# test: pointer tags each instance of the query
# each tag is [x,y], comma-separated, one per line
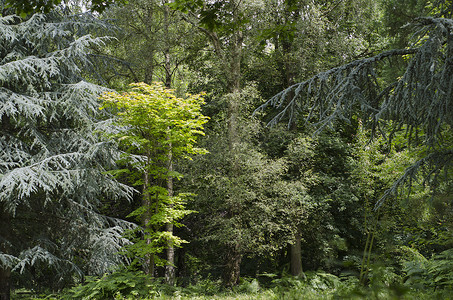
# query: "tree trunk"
[230,58]
[149,258]
[5,272]
[149,71]
[232,270]
[170,267]
[5,284]
[234,257]
[296,257]
[167,55]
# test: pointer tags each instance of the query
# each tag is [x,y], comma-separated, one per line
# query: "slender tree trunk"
[149,259]
[149,267]
[167,69]
[170,267]
[5,272]
[167,49]
[149,72]
[296,257]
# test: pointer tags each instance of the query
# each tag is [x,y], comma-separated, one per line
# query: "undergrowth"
[383,284]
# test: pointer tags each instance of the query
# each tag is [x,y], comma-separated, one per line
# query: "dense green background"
[328,172]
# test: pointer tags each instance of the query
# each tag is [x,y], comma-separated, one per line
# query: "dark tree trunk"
[233,259]
[167,66]
[296,257]
[181,263]
[5,284]
[5,272]
[149,72]
[232,270]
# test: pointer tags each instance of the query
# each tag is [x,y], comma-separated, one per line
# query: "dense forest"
[226,149]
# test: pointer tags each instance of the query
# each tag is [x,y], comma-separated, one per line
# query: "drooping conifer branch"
[419,99]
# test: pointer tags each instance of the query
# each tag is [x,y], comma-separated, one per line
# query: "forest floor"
[275,293]
[315,285]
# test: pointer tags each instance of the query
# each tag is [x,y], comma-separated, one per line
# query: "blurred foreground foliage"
[422,279]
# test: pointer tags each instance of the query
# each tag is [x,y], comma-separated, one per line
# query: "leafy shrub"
[288,282]
[435,273]
[115,285]
[440,268]
[322,281]
[204,287]
[248,285]
[314,285]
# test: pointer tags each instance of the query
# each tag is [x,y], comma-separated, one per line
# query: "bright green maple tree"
[156,128]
